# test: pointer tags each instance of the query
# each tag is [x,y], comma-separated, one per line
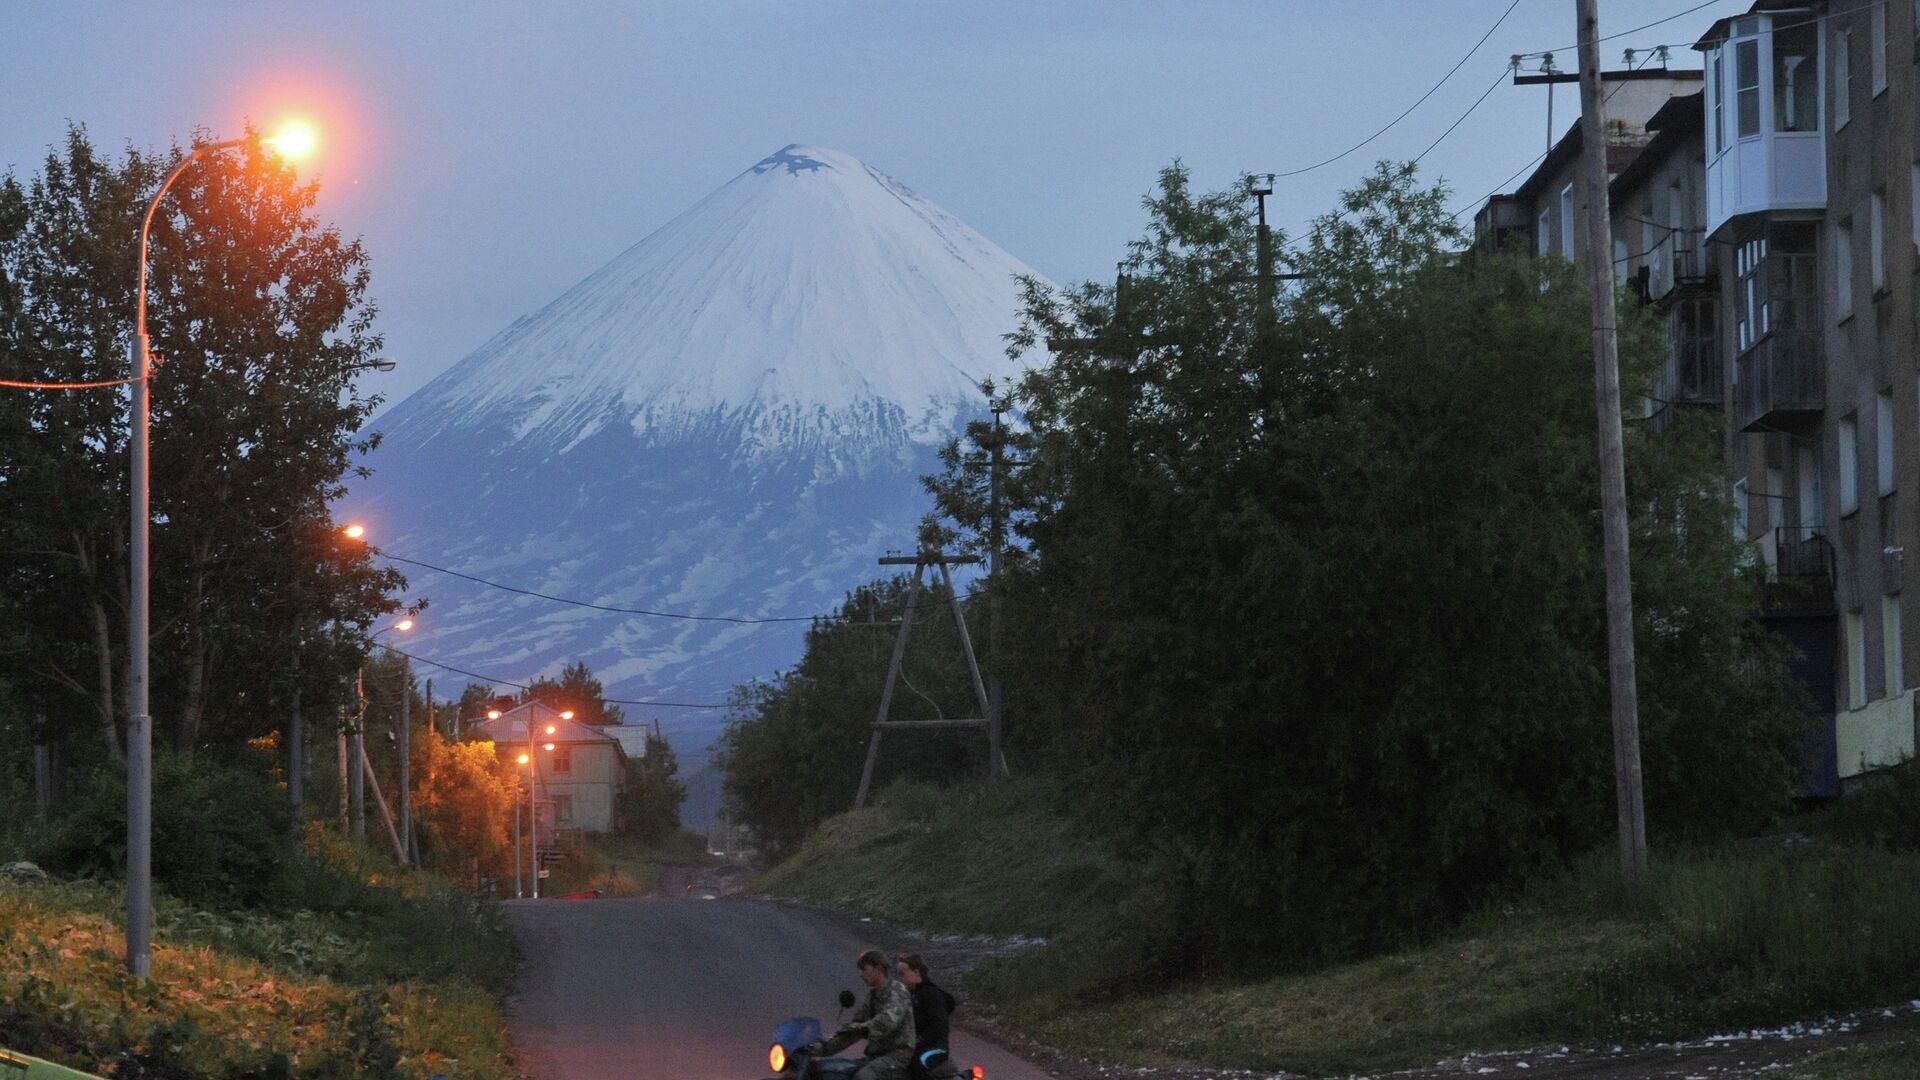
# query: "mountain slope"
[729,418]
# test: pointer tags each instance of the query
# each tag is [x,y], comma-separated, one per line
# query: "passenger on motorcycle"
[884,1019]
[932,1006]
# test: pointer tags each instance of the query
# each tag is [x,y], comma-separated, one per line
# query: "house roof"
[1722,28]
[511,727]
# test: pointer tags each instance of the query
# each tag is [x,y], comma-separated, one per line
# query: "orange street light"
[548,746]
[568,715]
[493,714]
[403,625]
[139,739]
[295,141]
[355,531]
[551,729]
[523,759]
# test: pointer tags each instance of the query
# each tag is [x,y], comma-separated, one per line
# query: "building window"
[1849,465]
[1717,92]
[1843,268]
[1877,24]
[1883,440]
[1856,660]
[1894,674]
[1742,510]
[563,809]
[1566,221]
[1543,233]
[1796,77]
[1812,497]
[1750,302]
[1842,78]
[1746,101]
[1621,257]
[1913,204]
[1877,239]
[563,759]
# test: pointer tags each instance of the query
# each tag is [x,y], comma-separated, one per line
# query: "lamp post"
[292,143]
[357,772]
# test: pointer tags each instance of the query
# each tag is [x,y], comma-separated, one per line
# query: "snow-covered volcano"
[730,418]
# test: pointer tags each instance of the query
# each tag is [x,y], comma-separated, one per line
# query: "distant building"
[577,783]
[1770,217]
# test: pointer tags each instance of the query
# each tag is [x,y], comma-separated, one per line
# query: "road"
[663,989]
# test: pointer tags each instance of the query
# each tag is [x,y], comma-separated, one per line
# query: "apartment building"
[1769,217]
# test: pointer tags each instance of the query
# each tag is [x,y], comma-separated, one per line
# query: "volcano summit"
[729,418]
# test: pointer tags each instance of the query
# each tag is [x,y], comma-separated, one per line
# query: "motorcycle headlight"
[777,1057]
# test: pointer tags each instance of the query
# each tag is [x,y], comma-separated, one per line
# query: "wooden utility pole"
[296,747]
[1613,473]
[996,540]
[406,761]
[881,723]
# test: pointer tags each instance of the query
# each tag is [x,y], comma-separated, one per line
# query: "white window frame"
[1811,493]
[1742,510]
[1848,465]
[1543,240]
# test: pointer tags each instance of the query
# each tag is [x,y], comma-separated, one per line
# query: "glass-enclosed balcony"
[1765,101]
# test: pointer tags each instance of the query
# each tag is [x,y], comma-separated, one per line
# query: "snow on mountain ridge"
[759,307]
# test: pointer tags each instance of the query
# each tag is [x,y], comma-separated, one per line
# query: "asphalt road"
[681,989]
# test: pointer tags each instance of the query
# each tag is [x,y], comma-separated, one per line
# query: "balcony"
[1779,384]
[1764,102]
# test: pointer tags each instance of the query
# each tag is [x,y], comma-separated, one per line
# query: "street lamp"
[291,143]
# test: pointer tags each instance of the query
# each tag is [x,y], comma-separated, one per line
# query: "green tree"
[1309,597]
[577,690]
[650,801]
[260,318]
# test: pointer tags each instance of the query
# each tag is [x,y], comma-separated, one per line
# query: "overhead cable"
[1409,109]
[492,680]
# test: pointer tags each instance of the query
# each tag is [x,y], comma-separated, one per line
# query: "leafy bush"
[219,831]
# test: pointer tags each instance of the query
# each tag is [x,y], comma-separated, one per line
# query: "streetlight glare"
[403,625]
[493,714]
[547,746]
[295,141]
[355,531]
[550,729]
[523,759]
[568,715]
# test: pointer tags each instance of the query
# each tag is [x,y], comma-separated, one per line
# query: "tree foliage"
[260,320]
[649,806]
[794,746]
[1309,596]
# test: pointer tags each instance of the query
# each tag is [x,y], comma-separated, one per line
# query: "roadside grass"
[1725,938]
[389,974]
[1885,1061]
[995,860]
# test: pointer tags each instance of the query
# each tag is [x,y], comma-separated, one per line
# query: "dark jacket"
[932,1005]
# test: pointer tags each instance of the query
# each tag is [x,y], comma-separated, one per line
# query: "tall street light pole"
[139,572]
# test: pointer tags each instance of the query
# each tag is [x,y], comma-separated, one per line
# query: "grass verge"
[1729,938]
[397,975]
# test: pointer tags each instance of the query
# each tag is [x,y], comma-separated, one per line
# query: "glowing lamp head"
[777,1057]
[523,759]
[493,714]
[548,747]
[568,715]
[403,625]
[355,531]
[294,142]
[551,729]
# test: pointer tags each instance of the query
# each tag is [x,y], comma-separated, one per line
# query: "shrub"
[219,832]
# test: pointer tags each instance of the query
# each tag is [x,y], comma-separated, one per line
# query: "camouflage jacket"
[888,1014]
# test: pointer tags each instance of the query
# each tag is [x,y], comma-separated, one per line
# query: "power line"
[524,686]
[614,609]
[1497,80]
[1624,33]
[13,384]
[1417,103]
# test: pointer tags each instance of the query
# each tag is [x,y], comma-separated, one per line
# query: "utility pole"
[996,539]
[1630,805]
[346,820]
[406,762]
[296,744]
[357,750]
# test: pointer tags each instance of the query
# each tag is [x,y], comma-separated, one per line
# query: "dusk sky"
[492,154]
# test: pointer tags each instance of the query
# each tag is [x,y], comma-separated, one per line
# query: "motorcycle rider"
[932,1006]
[884,1019]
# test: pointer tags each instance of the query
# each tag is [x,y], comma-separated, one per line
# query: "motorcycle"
[798,1045]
